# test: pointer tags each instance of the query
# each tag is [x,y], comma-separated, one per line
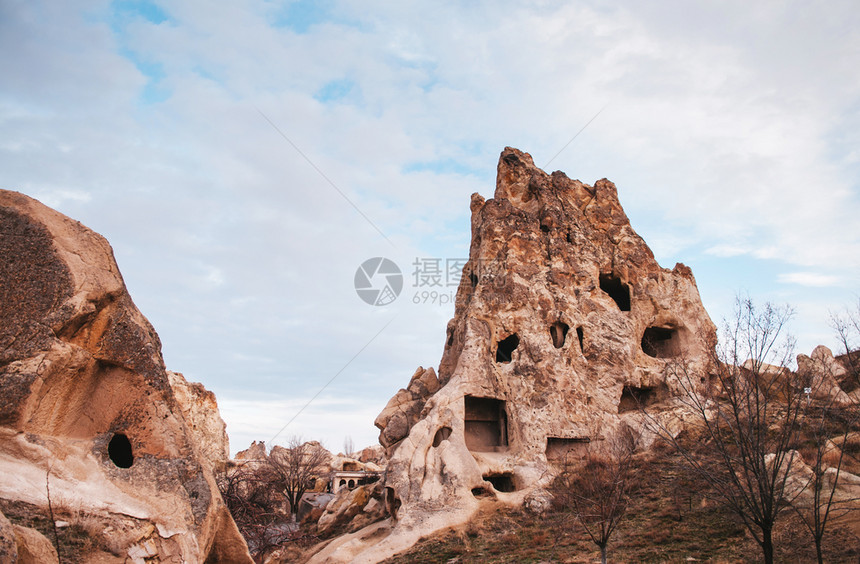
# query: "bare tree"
[597,490]
[847,328]
[828,425]
[254,501]
[749,413]
[348,446]
[297,466]
[816,500]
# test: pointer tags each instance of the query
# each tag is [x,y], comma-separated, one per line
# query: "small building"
[352,478]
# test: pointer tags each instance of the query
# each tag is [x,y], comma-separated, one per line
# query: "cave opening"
[617,290]
[486,424]
[560,449]
[580,334]
[661,342]
[392,502]
[633,397]
[120,452]
[480,492]
[502,482]
[506,347]
[558,332]
[441,435]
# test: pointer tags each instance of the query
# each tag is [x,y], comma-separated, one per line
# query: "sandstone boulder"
[404,409]
[564,325]
[375,454]
[352,509]
[33,547]
[8,544]
[86,402]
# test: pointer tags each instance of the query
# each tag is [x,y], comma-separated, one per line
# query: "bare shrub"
[596,491]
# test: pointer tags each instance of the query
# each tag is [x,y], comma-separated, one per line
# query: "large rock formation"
[564,324]
[87,406]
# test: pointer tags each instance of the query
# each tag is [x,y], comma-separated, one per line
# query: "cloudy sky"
[244,158]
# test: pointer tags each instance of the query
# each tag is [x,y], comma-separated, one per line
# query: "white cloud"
[332,419]
[723,132]
[814,279]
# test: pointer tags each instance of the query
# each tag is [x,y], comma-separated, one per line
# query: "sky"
[245,158]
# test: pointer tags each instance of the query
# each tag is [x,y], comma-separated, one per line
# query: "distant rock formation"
[257,451]
[86,402]
[828,378]
[564,324]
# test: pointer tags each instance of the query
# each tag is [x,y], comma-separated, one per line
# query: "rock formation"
[564,324]
[33,547]
[8,546]
[200,411]
[257,451]
[827,377]
[352,509]
[404,409]
[87,405]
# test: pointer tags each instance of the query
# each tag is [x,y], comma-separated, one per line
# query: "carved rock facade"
[86,401]
[564,324]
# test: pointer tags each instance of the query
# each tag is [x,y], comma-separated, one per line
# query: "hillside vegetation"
[673,516]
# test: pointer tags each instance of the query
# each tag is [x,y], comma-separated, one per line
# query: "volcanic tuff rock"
[564,324]
[8,546]
[34,547]
[827,376]
[200,411]
[86,402]
[404,409]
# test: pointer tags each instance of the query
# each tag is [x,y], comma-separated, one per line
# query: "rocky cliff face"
[200,410]
[86,401]
[564,324]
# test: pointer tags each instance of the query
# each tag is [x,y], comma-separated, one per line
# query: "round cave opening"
[119,451]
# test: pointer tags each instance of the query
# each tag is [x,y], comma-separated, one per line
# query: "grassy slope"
[673,517]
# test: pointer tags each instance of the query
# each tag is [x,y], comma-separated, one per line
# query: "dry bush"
[596,492]
[253,498]
[263,496]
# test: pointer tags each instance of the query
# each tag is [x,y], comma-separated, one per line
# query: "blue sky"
[730,130]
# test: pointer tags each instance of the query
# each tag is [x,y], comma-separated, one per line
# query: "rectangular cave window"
[486,424]
[502,482]
[632,398]
[661,342]
[617,290]
[560,449]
